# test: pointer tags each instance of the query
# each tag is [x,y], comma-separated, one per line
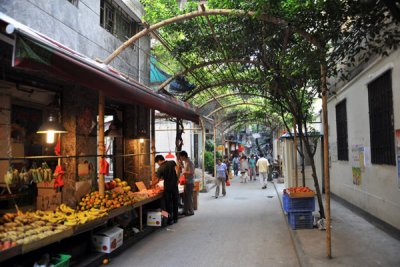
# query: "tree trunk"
[314,175]
[300,123]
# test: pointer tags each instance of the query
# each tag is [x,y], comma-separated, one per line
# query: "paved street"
[245,228]
[248,228]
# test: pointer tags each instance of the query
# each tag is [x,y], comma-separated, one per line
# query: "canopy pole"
[295,151]
[326,162]
[101,140]
[215,152]
[203,148]
[152,146]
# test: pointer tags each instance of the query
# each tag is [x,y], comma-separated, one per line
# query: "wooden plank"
[79,229]
[46,241]
[11,252]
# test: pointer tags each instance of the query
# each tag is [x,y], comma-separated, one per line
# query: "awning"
[34,51]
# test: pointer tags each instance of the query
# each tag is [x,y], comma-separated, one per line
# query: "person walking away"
[168,171]
[263,167]
[188,172]
[252,168]
[235,162]
[222,173]
[243,168]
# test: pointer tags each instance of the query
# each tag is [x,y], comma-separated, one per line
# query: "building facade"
[363,132]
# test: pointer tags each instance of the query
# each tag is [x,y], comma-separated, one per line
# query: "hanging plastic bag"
[104,167]
[182,180]
[228,182]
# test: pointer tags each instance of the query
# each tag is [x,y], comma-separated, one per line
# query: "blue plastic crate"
[298,204]
[300,220]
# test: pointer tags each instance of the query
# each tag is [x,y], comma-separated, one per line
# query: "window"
[381,120]
[74,2]
[116,21]
[341,130]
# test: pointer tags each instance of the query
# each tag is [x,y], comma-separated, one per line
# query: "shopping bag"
[228,182]
[182,180]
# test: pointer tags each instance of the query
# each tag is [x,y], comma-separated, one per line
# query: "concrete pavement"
[248,228]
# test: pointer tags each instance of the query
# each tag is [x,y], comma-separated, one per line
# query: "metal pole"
[326,162]
[152,146]
[215,152]
[295,151]
[100,147]
[203,148]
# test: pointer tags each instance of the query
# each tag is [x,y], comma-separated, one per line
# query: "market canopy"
[36,52]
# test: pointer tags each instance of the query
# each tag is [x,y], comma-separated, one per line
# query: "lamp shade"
[51,125]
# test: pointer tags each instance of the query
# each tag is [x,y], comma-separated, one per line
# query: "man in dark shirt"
[168,171]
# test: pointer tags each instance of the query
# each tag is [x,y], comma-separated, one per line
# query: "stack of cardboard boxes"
[47,197]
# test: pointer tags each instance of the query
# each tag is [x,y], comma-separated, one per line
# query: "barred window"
[117,21]
[381,120]
[341,130]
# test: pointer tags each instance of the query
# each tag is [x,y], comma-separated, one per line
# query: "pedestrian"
[243,168]
[252,168]
[188,172]
[228,167]
[235,162]
[263,167]
[222,173]
[168,171]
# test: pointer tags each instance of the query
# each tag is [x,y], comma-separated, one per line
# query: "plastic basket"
[62,260]
[300,220]
[298,204]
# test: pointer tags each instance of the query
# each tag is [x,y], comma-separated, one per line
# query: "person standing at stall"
[168,171]
[222,174]
[188,172]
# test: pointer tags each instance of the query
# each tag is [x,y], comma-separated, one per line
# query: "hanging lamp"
[50,128]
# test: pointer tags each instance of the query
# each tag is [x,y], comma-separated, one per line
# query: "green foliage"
[209,161]
[209,145]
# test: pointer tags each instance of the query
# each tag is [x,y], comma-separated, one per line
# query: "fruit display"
[299,191]
[20,228]
[117,183]
[23,228]
[111,200]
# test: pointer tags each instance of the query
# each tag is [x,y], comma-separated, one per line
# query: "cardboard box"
[48,202]
[108,240]
[154,218]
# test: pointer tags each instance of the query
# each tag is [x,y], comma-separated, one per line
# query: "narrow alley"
[249,228]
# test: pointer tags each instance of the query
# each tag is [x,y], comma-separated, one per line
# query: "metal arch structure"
[231,94]
[234,105]
[210,12]
[222,83]
[279,22]
[205,64]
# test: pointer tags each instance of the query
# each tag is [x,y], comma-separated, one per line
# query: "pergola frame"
[275,21]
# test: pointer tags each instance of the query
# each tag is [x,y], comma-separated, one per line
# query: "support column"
[152,145]
[101,139]
[296,175]
[203,148]
[326,162]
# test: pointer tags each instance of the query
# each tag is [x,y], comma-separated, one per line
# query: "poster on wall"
[357,163]
[367,156]
[398,156]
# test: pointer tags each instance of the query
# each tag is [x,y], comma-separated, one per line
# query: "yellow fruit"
[117,180]
[124,183]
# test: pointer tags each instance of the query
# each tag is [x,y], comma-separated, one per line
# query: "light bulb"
[50,137]
[141,140]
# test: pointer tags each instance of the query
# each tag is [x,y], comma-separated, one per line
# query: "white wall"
[165,140]
[378,193]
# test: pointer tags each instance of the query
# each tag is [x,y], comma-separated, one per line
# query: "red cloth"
[59,172]
[104,167]
[57,148]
